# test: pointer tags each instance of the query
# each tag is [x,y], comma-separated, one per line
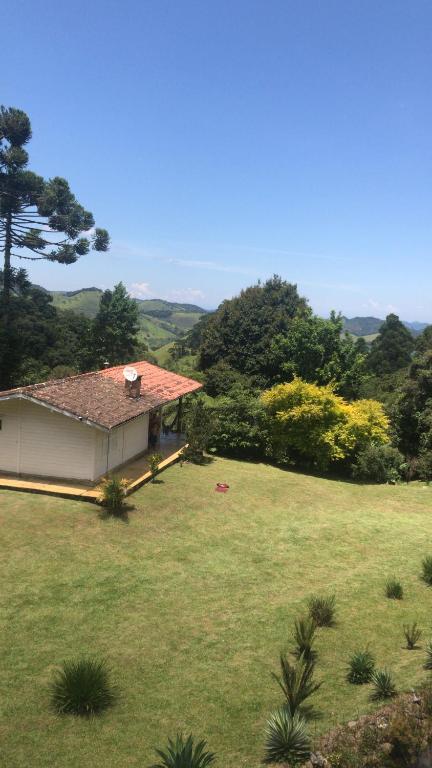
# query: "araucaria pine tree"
[39,218]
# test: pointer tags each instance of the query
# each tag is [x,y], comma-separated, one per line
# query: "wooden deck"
[135,472]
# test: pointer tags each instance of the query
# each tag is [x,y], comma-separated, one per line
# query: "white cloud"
[140,290]
[372,304]
[185,295]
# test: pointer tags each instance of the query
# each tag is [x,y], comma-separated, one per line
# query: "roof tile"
[101,397]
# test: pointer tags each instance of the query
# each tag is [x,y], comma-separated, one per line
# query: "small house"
[81,427]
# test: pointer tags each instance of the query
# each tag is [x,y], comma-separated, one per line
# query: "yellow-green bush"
[320,425]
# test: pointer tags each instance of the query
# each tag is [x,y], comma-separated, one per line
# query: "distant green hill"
[160,321]
[367,326]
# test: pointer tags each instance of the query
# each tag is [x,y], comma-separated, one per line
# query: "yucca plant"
[360,667]
[322,610]
[384,687]
[412,635]
[287,739]
[427,570]
[304,638]
[82,688]
[113,494]
[183,753]
[394,589]
[296,681]
[428,661]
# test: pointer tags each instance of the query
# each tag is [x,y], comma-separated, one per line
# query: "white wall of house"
[37,441]
[121,444]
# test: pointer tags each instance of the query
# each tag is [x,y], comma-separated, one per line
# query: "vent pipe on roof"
[133,388]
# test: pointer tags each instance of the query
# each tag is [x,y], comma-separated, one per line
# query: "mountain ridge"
[160,321]
[366,326]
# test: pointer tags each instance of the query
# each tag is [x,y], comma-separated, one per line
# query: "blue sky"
[221,141]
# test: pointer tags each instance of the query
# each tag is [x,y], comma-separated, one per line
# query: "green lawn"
[191,602]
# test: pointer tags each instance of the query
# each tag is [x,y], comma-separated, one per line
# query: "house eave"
[55,409]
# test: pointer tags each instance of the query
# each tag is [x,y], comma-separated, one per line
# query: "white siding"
[37,441]
[9,434]
[49,444]
[135,437]
[124,442]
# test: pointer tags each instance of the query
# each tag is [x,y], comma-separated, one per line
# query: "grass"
[191,603]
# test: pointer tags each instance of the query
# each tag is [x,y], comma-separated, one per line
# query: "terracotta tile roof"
[101,398]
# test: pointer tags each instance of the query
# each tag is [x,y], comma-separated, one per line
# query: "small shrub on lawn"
[82,688]
[296,681]
[322,610]
[394,589]
[384,687]
[287,739]
[154,461]
[427,570]
[182,753]
[304,638]
[360,668]
[412,635]
[428,662]
[113,494]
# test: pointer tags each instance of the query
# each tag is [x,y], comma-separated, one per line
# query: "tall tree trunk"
[7,275]
[6,341]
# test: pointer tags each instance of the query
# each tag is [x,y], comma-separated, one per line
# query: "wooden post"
[180,415]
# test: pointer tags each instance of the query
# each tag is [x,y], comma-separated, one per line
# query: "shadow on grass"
[333,474]
[203,462]
[122,515]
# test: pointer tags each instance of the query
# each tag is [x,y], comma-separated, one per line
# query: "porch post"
[180,415]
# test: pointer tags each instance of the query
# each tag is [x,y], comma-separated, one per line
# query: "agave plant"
[384,687]
[82,688]
[182,753]
[360,667]
[322,610]
[296,681]
[304,638]
[287,740]
[428,661]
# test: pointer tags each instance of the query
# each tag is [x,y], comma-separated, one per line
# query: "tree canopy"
[39,219]
[316,425]
[115,328]
[392,348]
[241,330]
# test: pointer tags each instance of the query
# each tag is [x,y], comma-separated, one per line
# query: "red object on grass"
[221,487]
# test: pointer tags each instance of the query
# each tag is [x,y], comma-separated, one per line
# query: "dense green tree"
[40,338]
[393,347]
[242,329]
[318,351]
[412,412]
[39,219]
[239,424]
[221,378]
[115,328]
[423,342]
[199,428]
